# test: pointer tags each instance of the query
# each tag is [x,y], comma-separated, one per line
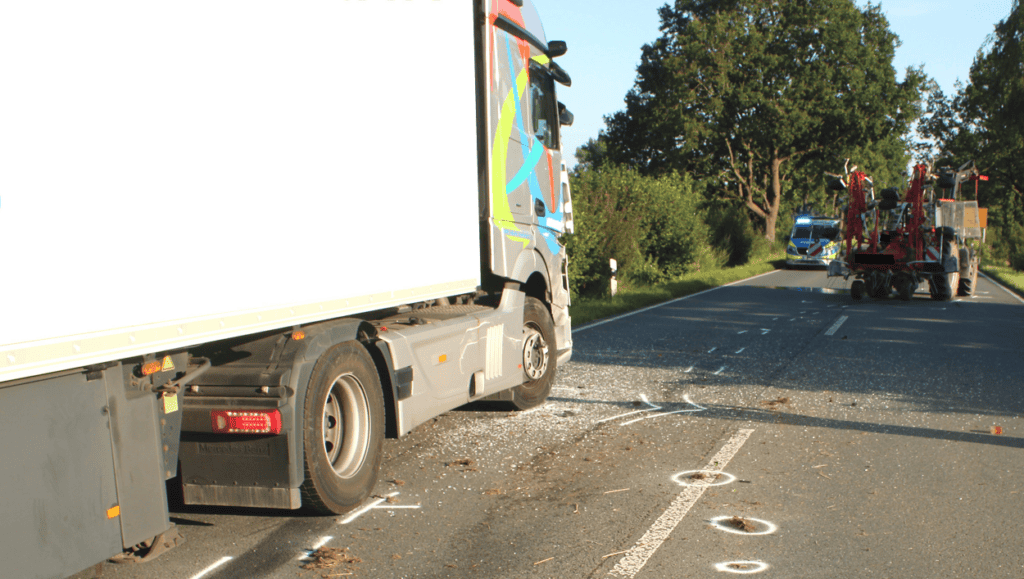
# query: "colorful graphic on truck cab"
[526,196]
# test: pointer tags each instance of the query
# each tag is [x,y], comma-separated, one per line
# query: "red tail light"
[246,421]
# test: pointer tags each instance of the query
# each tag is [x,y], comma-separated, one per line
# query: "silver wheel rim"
[346,425]
[535,352]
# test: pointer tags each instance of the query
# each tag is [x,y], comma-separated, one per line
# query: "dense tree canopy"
[984,120]
[746,92]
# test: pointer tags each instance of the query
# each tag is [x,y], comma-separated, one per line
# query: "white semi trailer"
[243,242]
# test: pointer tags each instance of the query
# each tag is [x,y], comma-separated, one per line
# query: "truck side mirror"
[556,48]
[558,73]
[564,116]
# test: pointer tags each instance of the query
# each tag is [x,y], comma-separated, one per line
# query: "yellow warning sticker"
[167,365]
[170,403]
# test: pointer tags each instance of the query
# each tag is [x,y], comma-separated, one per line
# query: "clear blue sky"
[605,37]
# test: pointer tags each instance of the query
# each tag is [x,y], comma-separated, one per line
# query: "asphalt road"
[852,439]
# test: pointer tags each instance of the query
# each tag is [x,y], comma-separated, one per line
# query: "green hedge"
[584,310]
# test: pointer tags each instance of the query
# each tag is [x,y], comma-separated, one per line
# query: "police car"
[813,241]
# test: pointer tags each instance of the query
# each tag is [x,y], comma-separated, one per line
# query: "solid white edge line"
[672,301]
[635,559]
[212,567]
[1001,286]
[836,325]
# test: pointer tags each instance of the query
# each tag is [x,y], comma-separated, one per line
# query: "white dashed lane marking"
[836,325]
[212,567]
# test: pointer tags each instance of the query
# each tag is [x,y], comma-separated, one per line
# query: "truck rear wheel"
[538,356]
[343,430]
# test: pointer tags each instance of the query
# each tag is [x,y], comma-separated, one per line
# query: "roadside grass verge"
[1007,276]
[585,310]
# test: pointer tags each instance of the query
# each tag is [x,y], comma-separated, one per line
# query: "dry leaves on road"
[742,524]
[329,557]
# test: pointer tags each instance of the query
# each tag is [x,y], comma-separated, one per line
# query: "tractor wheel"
[857,289]
[941,289]
[878,286]
[906,288]
[968,273]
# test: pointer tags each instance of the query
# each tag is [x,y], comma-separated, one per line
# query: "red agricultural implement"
[895,242]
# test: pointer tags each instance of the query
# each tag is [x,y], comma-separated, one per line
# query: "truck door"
[526,192]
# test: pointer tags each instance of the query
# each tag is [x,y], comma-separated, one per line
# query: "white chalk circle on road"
[687,478]
[741,567]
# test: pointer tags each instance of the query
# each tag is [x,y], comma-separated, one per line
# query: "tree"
[983,120]
[744,91]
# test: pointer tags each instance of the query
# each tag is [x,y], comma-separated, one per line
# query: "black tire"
[968,273]
[343,430]
[539,356]
[906,288]
[941,289]
[877,286]
[857,289]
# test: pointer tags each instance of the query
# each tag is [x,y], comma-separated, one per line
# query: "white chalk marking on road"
[686,398]
[688,370]
[636,557]
[712,349]
[836,325]
[765,330]
[642,397]
[742,332]
[719,371]
[1002,287]
[363,510]
[770,528]
[306,554]
[735,567]
[640,311]
[740,350]
[681,478]
[212,567]
[792,319]
[774,319]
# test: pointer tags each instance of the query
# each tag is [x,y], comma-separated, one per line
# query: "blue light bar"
[804,220]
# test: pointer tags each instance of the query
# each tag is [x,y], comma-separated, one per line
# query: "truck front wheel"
[343,433]
[538,356]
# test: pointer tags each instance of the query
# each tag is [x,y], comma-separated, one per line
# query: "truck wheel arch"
[531,270]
